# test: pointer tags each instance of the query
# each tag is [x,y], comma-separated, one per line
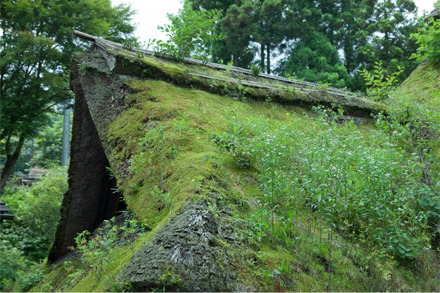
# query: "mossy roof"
[230,80]
[155,118]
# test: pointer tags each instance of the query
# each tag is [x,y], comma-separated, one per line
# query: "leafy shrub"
[190,33]
[233,142]
[380,84]
[94,251]
[163,197]
[429,41]
[365,187]
[11,263]
[96,248]
[26,239]
[36,210]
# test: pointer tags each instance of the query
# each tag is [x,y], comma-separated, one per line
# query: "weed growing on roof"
[381,84]
[95,249]
[230,64]
[163,196]
[293,77]
[369,189]
[73,274]
[169,279]
[118,285]
[232,142]
[323,86]
[255,70]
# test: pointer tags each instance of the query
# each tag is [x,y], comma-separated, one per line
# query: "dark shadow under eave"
[91,197]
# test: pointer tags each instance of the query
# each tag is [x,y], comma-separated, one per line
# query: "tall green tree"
[36,47]
[363,32]
[271,27]
[260,21]
[224,50]
[191,33]
[315,59]
[394,21]
[312,52]
[237,27]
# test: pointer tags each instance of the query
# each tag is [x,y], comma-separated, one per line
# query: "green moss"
[182,160]
[163,141]
[150,67]
[99,280]
[422,85]
[168,69]
[419,98]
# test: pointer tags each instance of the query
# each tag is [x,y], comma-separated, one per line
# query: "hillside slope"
[237,188]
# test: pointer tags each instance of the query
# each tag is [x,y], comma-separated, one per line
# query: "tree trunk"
[268,58]
[235,60]
[11,160]
[348,54]
[262,57]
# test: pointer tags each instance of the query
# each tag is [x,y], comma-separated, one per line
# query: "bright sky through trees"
[150,14]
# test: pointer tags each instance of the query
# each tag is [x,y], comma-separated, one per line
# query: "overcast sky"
[150,14]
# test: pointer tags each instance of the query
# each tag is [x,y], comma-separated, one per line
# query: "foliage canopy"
[348,36]
[190,33]
[429,43]
[36,47]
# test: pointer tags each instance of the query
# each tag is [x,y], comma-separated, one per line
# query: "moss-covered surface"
[169,128]
[418,100]
[242,86]
[422,86]
[196,200]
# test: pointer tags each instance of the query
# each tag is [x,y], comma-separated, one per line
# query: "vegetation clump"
[26,240]
[367,190]
[255,70]
[274,197]
[300,201]
[189,35]
[429,43]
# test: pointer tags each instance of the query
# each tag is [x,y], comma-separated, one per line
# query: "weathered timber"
[105,47]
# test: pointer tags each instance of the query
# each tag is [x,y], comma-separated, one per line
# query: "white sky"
[151,13]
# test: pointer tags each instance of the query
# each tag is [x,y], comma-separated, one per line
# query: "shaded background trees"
[36,48]
[318,40]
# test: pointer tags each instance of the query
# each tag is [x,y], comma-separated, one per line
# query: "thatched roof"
[435,13]
[217,77]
